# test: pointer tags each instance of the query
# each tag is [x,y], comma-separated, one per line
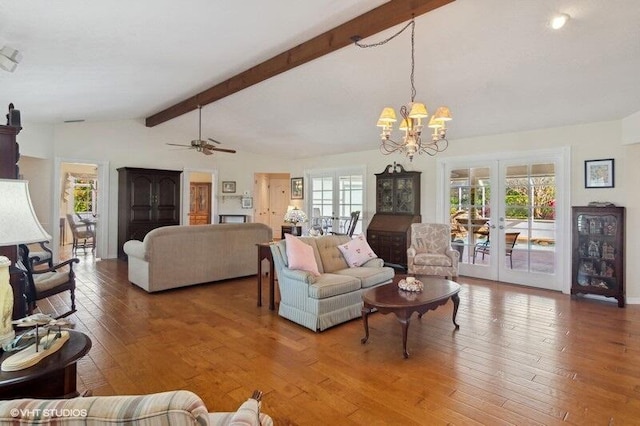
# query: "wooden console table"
[264,252]
[53,377]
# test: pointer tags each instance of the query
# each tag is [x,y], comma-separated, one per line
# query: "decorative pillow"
[300,255]
[357,251]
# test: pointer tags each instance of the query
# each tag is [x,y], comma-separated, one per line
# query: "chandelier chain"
[411,24]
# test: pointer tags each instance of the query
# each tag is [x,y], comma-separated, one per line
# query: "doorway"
[333,196]
[81,188]
[507,217]
[199,204]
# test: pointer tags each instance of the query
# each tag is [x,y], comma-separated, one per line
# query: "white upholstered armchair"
[430,252]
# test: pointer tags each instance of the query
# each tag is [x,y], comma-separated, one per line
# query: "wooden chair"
[42,256]
[83,234]
[350,225]
[484,247]
[43,283]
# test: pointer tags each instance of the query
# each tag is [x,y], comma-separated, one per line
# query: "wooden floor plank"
[522,356]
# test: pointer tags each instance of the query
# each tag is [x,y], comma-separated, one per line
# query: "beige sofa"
[178,256]
[174,408]
[336,295]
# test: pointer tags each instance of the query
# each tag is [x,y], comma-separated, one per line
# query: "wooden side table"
[264,252]
[53,377]
[288,229]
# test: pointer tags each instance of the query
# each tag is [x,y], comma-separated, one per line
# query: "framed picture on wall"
[297,188]
[229,187]
[599,173]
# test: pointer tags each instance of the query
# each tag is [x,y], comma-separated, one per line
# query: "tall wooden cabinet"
[598,251]
[147,199]
[397,207]
[200,203]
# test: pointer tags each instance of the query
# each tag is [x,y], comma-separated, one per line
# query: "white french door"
[508,216]
[333,195]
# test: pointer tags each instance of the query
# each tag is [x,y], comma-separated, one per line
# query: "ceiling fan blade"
[206,151]
[179,144]
[213,140]
[213,148]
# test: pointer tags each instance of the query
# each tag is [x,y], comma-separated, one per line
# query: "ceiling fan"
[201,145]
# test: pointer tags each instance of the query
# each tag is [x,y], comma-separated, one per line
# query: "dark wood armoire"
[147,199]
[397,207]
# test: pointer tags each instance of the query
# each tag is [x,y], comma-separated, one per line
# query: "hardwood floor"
[522,356]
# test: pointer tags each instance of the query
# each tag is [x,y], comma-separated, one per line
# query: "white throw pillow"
[357,251]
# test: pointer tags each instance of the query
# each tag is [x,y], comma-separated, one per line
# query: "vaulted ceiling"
[495,63]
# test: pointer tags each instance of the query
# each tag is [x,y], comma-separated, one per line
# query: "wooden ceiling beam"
[381,18]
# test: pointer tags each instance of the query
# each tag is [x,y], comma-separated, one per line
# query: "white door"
[334,195]
[279,196]
[507,217]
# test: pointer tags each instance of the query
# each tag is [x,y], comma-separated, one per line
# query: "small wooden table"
[264,252]
[389,298]
[53,377]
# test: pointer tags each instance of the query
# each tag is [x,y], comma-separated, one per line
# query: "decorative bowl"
[410,285]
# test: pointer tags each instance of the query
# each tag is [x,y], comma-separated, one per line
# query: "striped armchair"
[167,408]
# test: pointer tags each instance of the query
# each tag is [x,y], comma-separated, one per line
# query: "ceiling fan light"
[388,115]
[443,114]
[418,110]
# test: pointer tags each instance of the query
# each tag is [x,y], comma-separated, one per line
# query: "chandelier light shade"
[413,117]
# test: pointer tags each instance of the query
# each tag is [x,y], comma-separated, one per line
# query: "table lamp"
[294,216]
[18,225]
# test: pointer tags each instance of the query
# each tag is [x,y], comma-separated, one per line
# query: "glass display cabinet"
[598,252]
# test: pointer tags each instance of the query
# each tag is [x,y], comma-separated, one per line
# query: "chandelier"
[413,115]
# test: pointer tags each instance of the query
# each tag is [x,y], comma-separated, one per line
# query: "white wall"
[130,143]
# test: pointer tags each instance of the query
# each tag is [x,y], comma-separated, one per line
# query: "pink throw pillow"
[357,251]
[300,255]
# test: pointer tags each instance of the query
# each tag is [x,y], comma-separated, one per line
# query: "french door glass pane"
[333,198]
[530,192]
[470,196]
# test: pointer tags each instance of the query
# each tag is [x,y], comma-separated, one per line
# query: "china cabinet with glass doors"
[598,252]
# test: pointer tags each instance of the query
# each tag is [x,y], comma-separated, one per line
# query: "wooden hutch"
[397,207]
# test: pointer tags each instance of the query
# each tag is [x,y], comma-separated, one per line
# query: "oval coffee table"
[389,298]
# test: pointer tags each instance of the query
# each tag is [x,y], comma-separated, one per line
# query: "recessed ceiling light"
[558,21]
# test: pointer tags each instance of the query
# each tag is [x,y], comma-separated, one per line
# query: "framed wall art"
[229,187]
[297,188]
[599,173]
[247,202]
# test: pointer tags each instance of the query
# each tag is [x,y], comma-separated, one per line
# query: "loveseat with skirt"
[335,295]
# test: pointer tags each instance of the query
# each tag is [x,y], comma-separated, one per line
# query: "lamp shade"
[388,115]
[418,110]
[18,221]
[434,123]
[443,114]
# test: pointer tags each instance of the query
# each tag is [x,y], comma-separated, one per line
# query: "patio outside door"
[506,219]
[334,195]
